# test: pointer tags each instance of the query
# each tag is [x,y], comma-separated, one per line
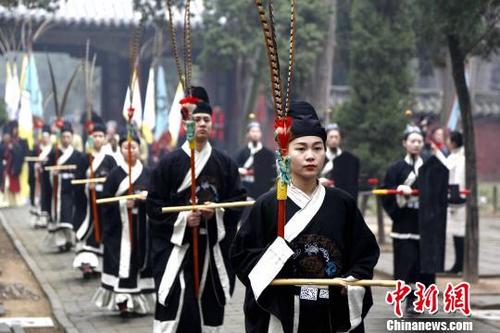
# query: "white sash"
[200,160]
[85,227]
[66,154]
[253,151]
[136,172]
[96,161]
[45,152]
[330,156]
[411,201]
[125,246]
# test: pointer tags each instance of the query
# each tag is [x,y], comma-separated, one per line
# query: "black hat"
[410,129]
[253,124]
[202,107]
[67,127]
[46,129]
[99,127]
[332,127]
[305,121]
[201,93]
[124,137]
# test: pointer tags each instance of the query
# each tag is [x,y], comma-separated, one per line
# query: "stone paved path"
[70,294]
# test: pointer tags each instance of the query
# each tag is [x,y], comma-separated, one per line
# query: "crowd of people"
[145,257]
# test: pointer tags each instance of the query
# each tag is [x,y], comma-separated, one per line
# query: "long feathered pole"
[134,75]
[188,104]
[89,77]
[281,102]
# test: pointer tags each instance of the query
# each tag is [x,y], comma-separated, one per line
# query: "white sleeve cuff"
[269,265]
[179,228]
[401,200]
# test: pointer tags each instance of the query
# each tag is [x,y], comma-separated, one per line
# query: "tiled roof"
[430,102]
[100,13]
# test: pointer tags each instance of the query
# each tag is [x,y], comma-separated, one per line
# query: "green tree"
[466,28]
[232,41]
[380,50]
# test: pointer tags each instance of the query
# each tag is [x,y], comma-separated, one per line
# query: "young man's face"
[254,134]
[413,144]
[99,140]
[203,126]
[333,139]
[66,139]
[134,148]
[45,138]
[307,155]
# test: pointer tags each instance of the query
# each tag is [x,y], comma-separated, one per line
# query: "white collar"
[418,161]
[206,148]
[299,197]
[254,149]
[309,206]
[331,155]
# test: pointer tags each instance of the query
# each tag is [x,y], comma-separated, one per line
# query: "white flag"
[12,90]
[149,117]
[175,116]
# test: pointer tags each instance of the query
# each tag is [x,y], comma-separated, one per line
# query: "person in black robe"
[33,182]
[67,206]
[6,139]
[89,252]
[15,150]
[127,284]
[341,167]
[404,212]
[45,178]
[325,237]
[217,180]
[256,164]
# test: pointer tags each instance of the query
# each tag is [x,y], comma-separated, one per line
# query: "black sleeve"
[250,242]
[363,250]
[18,154]
[240,157]
[235,192]
[389,201]
[159,195]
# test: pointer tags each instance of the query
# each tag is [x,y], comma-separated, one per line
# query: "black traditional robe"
[88,250]
[217,180]
[410,226]
[325,237]
[33,182]
[13,158]
[343,169]
[260,165]
[405,226]
[126,275]
[67,200]
[45,187]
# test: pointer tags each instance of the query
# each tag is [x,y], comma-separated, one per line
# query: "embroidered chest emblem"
[316,256]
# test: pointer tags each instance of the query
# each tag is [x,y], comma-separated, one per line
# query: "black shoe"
[87,271]
[122,307]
